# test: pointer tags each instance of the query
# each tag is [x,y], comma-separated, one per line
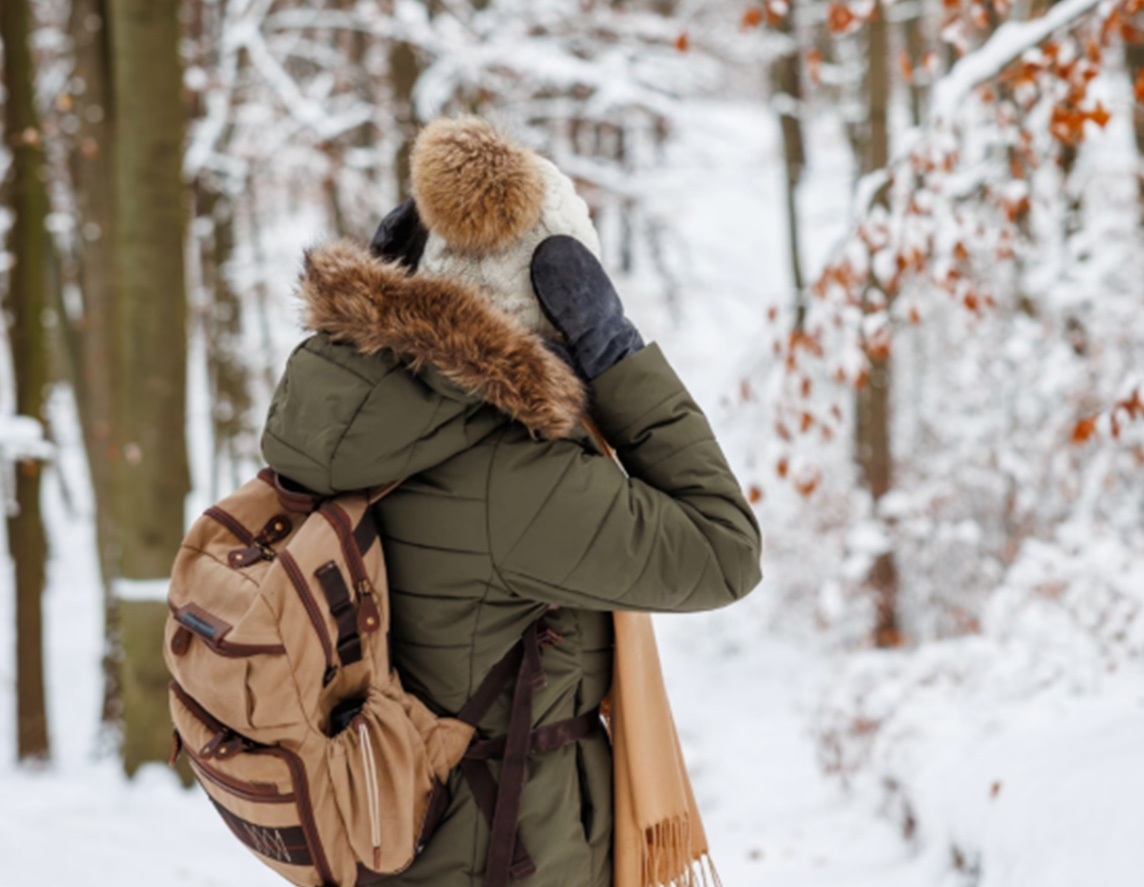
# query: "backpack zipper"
[212,723]
[229,521]
[248,791]
[258,546]
[311,607]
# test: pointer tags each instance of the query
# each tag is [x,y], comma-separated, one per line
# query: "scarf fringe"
[670,861]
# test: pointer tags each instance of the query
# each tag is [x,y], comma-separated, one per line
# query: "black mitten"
[401,237]
[578,298]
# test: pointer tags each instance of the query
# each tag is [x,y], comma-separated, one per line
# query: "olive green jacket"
[508,511]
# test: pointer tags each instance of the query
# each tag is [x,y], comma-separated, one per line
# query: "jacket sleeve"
[567,527]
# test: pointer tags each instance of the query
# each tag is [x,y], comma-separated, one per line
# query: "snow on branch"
[242,42]
[1008,42]
[954,207]
[988,62]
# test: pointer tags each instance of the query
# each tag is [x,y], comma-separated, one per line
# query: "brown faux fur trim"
[473,186]
[358,299]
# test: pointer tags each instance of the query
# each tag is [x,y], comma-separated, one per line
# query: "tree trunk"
[26,303]
[404,69]
[346,208]
[916,50]
[877,148]
[1134,57]
[787,78]
[269,363]
[872,425]
[93,175]
[151,477]
[223,324]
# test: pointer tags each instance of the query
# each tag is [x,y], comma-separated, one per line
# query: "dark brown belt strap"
[485,792]
[503,838]
[544,739]
[490,688]
[476,772]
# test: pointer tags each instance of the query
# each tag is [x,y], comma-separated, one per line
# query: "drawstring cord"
[369,765]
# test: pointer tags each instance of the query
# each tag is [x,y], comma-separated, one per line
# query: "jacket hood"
[359,300]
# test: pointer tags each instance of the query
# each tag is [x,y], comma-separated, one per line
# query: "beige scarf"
[659,839]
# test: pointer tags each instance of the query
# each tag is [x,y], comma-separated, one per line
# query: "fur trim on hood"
[473,186]
[360,300]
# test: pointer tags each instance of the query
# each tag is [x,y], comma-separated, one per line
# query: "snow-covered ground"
[742,699]
[972,785]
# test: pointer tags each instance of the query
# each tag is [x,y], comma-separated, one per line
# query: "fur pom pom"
[474,187]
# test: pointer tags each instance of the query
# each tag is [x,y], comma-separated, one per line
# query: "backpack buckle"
[223,745]
[368,616]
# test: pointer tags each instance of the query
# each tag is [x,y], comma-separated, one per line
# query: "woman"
[462,358]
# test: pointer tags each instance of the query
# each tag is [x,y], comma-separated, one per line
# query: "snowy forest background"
[895,249]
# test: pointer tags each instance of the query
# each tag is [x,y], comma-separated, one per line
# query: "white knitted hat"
[488,203]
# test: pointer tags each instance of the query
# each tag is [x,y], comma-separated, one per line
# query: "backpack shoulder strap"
[376,494]
[291,496]
[365,533]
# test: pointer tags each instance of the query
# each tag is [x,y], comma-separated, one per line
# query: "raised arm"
[568,527]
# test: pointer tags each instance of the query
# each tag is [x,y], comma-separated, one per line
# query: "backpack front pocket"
[261,792]
[241,683]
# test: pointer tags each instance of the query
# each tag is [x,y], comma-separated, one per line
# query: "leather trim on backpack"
[212,631]
[312,612]
[293,497]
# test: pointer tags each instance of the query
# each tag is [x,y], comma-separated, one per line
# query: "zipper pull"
[230,747]
[240,558]
[369,616]
[223,745]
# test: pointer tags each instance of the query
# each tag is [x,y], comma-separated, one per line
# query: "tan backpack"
[295,723]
